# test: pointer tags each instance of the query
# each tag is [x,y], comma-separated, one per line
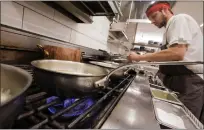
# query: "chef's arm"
[175,52]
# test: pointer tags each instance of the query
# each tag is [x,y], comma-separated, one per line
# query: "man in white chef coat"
[182,41]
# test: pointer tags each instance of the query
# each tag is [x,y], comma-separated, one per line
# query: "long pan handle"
[101,82]
[46,53]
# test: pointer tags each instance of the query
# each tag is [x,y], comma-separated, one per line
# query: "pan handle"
[46,53]
[127,71]
[101,82]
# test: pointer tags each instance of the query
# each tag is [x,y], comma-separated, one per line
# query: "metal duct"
[82,11]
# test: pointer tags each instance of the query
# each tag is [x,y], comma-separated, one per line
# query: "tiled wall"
[41,19]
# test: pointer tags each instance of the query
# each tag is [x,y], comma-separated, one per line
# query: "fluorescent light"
[201,25]
[152,2]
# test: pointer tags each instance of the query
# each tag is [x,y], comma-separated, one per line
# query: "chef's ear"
[163,11]
[166,11]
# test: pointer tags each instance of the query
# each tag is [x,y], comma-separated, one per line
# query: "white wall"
[41,19]
[193,8]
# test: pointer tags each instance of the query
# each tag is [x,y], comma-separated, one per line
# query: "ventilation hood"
[82,11]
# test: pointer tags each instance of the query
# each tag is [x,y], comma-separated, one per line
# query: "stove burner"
[76,111]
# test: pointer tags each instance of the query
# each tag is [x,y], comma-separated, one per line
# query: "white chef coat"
[183,29]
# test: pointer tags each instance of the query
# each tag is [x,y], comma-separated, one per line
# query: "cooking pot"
[14,83]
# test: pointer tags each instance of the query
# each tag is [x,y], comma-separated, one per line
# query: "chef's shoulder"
[181,29]
[181,16]
[184,19]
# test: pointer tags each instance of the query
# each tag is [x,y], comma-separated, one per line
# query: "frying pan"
[111,66]
[14,82]
[67,78]
[74,79]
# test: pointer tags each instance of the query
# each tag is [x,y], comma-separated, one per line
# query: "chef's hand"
[133,57]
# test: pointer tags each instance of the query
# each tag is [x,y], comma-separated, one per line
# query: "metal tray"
[165,96]
[174,116]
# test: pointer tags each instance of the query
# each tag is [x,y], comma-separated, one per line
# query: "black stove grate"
[38,110]
[76,111]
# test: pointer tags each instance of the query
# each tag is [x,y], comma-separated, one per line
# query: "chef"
[182,41]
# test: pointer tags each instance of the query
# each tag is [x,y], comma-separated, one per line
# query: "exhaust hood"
[82,11]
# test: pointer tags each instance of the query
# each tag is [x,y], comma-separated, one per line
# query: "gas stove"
[44,111]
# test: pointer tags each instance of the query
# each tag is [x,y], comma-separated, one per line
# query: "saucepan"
[14,83]
[74,79]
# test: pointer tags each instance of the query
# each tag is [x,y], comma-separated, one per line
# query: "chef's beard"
[163,23]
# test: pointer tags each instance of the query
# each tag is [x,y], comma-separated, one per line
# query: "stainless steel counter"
[135,109]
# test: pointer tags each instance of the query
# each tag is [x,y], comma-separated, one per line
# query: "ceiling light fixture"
[201,25]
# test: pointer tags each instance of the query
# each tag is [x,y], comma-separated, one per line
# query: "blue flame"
[76,111]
